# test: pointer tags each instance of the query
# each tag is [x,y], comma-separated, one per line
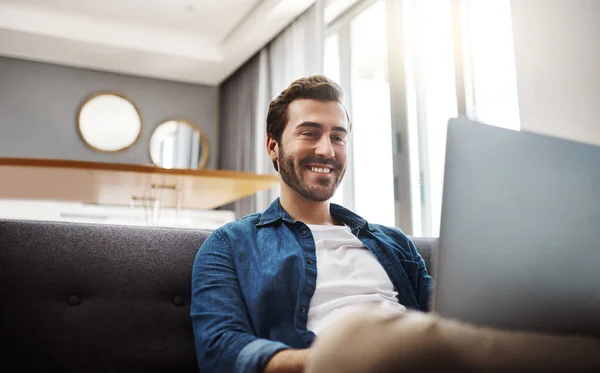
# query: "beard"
[292,174]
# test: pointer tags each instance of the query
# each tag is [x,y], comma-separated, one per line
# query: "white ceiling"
[196,41]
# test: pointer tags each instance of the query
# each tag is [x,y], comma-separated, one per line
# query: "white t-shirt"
[348,277]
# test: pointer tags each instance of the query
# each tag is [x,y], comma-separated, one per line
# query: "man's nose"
[324,147]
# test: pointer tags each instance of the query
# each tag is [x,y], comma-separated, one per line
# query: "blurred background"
[202,72]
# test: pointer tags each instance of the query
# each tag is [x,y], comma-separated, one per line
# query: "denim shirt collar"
[275,214]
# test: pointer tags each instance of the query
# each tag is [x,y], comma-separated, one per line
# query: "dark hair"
[316,87]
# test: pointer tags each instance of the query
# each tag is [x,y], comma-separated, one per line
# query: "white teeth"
[321,170]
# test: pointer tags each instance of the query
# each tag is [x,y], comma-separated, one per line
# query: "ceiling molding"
[261,26]
[102,32]
[33,32]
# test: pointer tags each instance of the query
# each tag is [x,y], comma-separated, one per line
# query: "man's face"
[312,153]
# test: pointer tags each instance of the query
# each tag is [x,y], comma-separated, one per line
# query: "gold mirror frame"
[204,144]
[94,96]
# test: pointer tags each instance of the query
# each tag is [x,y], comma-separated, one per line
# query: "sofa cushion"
[97,298]
[100,298]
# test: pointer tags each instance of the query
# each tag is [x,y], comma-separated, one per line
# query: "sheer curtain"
[239,103]
[296,52]
[459,61]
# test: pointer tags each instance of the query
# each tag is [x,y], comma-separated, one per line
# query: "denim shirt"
[253,279]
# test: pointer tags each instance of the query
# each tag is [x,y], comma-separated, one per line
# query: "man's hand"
[288,361]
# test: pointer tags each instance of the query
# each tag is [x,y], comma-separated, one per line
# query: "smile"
[320,170]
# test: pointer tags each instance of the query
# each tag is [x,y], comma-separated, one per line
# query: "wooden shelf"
[125,184]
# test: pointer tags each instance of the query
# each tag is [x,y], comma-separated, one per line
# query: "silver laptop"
[519,243]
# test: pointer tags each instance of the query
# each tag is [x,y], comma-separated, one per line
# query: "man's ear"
[273,150]
[272,147]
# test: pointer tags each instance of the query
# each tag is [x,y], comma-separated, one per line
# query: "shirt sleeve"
[424,279]
[223,335]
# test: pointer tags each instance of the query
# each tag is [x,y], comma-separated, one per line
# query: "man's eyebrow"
[320,126]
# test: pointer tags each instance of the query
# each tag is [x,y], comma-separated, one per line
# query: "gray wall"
[557,52]
[39,103]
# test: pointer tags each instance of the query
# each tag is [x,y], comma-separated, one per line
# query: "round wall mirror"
[178,143]
[109,122]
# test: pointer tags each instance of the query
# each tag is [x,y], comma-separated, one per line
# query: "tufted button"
[178,300]
[310,261]
[74,300]
[304,232]
[303,309]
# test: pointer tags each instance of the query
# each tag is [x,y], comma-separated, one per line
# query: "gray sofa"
[100,298]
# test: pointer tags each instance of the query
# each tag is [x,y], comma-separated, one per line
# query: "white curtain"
[459,62]
[296,52]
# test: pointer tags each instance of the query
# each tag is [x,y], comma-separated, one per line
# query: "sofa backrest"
[99,298]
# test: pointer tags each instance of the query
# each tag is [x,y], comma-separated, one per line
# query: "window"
[332,71]
[491,58]
[373,175]
[356,57]
[332,57]
[423,34]
[487,61]
[431,83]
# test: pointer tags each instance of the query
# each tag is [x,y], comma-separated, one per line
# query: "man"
[265,286]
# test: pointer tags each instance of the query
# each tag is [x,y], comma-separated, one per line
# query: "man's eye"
[339,139]
[308,134]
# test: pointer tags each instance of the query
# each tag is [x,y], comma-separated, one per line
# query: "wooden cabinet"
[125,184]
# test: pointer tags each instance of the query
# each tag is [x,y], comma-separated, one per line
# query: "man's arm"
[424,280]
[424,285]
[223,335]
[288,361]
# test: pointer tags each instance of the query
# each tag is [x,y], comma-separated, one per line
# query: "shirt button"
[304,232]
[303,309]
[310,261]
